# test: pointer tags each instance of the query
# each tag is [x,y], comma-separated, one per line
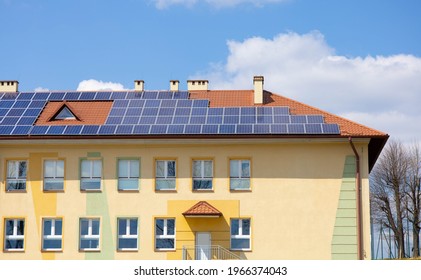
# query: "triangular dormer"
[64,113]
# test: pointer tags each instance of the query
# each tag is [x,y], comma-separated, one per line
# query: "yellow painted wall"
[293,201]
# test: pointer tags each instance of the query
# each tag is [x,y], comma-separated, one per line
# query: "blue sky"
[359,59]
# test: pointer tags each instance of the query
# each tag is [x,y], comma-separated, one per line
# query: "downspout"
[359,208]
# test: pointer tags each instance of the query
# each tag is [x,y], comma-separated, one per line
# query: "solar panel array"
[155,113]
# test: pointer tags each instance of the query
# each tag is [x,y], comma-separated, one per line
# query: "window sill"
[128,191]
[91,191]
[16,191]
[165,191]
[203,191]
[240,190]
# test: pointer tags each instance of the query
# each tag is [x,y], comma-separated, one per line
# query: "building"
[196,174]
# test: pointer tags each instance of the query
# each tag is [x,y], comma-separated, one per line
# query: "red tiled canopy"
[202,208]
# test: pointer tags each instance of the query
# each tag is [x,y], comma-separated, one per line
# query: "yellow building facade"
[179,196]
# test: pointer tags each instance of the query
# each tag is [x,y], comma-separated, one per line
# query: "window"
[128,174]
[127,234]
[16,175]
[91,175]
[240,174]
[240,234]
[65,114]
[165,234]
[14,234]
[202,174]
[53,175]
[89,235]
[52,234]
[165,175]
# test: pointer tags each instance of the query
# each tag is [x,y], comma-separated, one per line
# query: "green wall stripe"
[344,238]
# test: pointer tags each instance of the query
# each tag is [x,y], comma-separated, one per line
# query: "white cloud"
[40,89]
[163,4]
[384,90]
[99,85]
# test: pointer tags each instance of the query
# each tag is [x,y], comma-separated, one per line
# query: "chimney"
[139,85]
[174,85]
[258,89]
[9,86]
[197,84]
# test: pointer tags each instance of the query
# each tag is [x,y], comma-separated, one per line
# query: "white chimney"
[139,85]
[197,84]
[9,86]
[258,89]
[174,85]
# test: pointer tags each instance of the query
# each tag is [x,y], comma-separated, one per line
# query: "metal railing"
[213,252]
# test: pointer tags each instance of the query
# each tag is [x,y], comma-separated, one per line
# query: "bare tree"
[413,193]
[388,191]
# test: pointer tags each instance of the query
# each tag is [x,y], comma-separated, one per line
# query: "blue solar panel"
[313,128]
[153,103]
[73,129]
[164,95]
[120,103]
[150,95]
[26,95]
[26,120]
[248,119]
[192,129]
[118,112]
[181,120]
[226,129]
[264,119]
[90,129]
[197,120]
[184,103]
[87,95]
[9,95]
[37,104]
[264,111]
[21,129]
[72,96]
[124,129]
[216,111]
[248,111]
[281,110]
[6,129]
[150,112]
[281,119]
[137,103]
[182,111]
[41,96]
[131,120]
[134,111]
[32,112]
[6,104]
[119,95]
[315,119]
[56,96]
[244,128]
[181,95]
[231,119]
[210,129]
[279,128]
[21,104]
[107,129]
[166,112]
[232,111]
[330,128]
[175,129]
[214,120]
[10,120]
[261,128]
[56,129]
[102,95]
[296,128]
[199,111]
[39,130]
[158,129]
[164,120]
[169,103]
[298,119]
[200,103]
[15,112]
[141,129]
[147,120]
[114,120]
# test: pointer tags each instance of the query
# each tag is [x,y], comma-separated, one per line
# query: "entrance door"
[203,246]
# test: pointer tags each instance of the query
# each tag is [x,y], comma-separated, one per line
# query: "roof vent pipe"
[258,89]
[174,85]
[139,85]
[197,84]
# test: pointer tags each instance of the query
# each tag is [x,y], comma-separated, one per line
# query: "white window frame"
[14,236]
[240,175]
[52,235]
[90,235]
[129,177]
[165,234]
[166,177]
[55,177]
[240,234]
[90,177]
[16,164]
[127,234]
[202,173]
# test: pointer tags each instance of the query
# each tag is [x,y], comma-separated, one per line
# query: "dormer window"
[65,114]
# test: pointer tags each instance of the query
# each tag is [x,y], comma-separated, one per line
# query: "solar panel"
[150,95]
[10,120]
[32,112]
[71,96]
[231,119]
[114,120]
[226,129]
[87,95]
[261,128]
[141,129]
[169,103]
[164,120]
[73,129]
[15,112]
[120,103]
[248,111]
[200,103]
[182,111]
[56,96]
[158,129]
[329,128]
[248,119]
[216,111]
[37,104]
[214,119]
[210,129]
[107,129]
[21,129]
[6,129]
[134,111]
[26,120]
[131,120]
[314,119]
[264,119]
[180,95]
[166,111]
[279,129]
[281,119]
[102,95]
[175,129]
[181,120]
[164,95]
[7,104]
[313,128]
[21,104]
[280,110]
[56,129]
[244,128]
[9,95]
[296,128]
[136,103]
[124,129]
[150,112]
[41,96]
[298,119]
[147,120]
[197,120]
[90,129]
[232,111]
[26,95]
[117,112]
[118,95]
[192,129]
[39,130]
[184,103]
[153,103]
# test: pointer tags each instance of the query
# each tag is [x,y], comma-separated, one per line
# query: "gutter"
[359,208]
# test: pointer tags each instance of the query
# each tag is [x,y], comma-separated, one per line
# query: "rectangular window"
[202,174]
[127,234]
[128,174]
[16,175]
[240,234]
[165,175]
[240,174]
[164,234]
[14,234]
[91,173]
[89,235]
[52,230]
[54,175]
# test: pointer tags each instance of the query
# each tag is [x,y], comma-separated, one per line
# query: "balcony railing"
[213,252]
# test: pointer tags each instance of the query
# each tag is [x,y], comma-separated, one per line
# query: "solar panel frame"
[278,128]
[330,128]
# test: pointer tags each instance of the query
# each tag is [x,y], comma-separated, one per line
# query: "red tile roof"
[87,112]
[202,208]
[243,98]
